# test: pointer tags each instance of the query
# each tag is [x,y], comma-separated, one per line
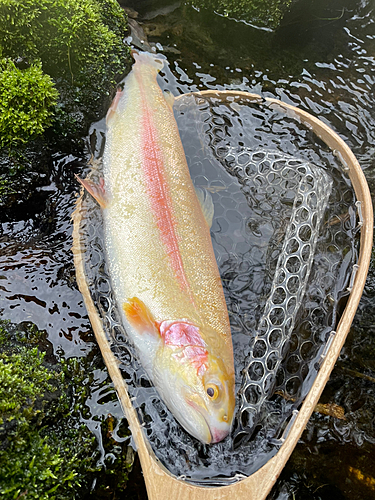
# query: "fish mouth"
[207,439]
[215,434]
[210,440]
[206,436]
[218,435]
[218,430]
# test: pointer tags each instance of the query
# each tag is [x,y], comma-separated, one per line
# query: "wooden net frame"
[160,483]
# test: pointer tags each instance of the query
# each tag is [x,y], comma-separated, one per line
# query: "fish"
[160,257]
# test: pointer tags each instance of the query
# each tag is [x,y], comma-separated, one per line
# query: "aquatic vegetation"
[45,450]
[62,60]
[26,100]
[80,45]
[69,37]
[260,12]
[23,379]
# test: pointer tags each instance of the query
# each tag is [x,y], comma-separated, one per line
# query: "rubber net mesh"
[284,235]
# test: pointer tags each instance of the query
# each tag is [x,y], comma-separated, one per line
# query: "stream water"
[322,60]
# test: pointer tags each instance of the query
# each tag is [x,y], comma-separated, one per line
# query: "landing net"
[284,235]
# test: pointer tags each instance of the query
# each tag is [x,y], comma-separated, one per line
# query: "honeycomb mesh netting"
[284,235]
[292,271]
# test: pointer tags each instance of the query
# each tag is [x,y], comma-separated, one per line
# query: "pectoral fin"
[97,191]
[140,317]
[205,199]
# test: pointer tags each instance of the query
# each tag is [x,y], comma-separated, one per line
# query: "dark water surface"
[322,60]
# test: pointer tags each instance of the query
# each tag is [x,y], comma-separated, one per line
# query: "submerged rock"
[263,13]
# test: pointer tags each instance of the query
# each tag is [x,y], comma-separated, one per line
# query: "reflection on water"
[321,60]
[37,273]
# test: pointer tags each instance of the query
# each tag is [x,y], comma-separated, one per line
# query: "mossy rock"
[262,13]
[70,37]
[71,47]
[27,97]
[26,100]
[46,452]
[80,45]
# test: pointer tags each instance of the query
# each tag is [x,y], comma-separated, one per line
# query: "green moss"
[46,452]
[77,43]
[22,380]
[35,467]
[260,12]
[33,28]
[80,43]
[26,100]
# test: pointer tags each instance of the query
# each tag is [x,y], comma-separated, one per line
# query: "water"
[326,67]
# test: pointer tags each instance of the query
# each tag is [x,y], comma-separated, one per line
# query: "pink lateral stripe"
[157,188]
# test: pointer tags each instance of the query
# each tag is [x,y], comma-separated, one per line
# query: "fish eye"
[212,391]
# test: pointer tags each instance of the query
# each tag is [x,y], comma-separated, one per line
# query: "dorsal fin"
[97,191]
[112,109]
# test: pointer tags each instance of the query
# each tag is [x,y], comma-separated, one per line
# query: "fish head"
[198,389]
[212,399]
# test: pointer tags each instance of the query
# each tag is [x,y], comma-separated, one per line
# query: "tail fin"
[154,60]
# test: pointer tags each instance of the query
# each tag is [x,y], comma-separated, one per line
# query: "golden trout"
[161,261]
